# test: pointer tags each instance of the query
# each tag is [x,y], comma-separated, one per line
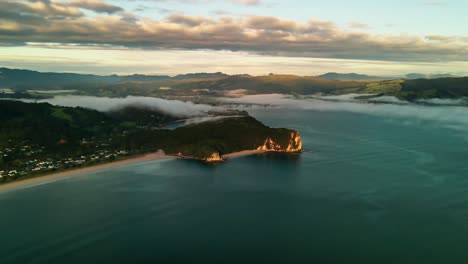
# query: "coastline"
[90,169]
[224,157]
[75,172]
[242,154]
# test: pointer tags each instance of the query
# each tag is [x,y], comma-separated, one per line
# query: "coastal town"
[26,160]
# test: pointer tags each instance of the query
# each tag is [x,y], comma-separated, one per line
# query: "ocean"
[369,187]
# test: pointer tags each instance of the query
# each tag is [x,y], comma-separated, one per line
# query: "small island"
[39,138]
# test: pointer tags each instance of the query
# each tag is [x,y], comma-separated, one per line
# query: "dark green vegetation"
[24,83]
[36,138]
[434,88]
[386,87]
[223,136]
[449,88]
[22,95]
[272,83]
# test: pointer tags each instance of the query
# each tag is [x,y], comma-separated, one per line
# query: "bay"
[367,189]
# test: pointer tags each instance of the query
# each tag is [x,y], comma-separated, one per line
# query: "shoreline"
[76,172]
[224,157]
[242,154]
[22,183]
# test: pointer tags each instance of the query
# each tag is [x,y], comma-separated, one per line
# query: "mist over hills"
[26,83]
[428,76]
[364,77]
[351,76]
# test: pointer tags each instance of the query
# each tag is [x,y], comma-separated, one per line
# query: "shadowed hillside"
[24,84]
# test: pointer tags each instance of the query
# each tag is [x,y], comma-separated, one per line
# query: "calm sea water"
[368,189]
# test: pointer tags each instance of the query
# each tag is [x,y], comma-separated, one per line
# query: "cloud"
[55,9]
[64,23]
[446,39]
[95,5]
[246,2]
[271,24]
[221,12]
[189,21]
[172,107]
[441,38]
[451,117]
[358,25]
[40,8]
[239,2]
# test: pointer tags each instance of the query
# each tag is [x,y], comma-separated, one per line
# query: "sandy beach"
[74,172]
[242,154]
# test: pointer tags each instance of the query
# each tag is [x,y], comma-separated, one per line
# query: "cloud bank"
[65,23]
[172,107]
[451,117]
[240,2]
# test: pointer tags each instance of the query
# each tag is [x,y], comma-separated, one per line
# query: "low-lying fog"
[447,115]
[442,112]
[172,107]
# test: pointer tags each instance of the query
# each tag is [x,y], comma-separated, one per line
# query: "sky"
[303,37]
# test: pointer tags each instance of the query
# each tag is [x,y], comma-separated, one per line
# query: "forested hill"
[45,124]
[36,138]
[434,88]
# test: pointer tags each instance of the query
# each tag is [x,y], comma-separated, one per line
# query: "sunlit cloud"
[63,22]
[121,60]
[239,2]
[259,44]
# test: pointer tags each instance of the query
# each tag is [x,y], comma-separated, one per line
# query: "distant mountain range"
[18,78]
[26,83]
[200,75]
[363,77]
[351,76]
[27,79]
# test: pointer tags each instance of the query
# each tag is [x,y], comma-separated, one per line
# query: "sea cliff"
[215,141]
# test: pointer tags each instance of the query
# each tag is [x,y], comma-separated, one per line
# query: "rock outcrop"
[215,157]
[294,144]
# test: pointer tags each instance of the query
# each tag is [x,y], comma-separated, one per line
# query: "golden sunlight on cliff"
[269,145]
[215,157]
[294,145]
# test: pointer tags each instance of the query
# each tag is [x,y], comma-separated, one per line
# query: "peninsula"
[39,138]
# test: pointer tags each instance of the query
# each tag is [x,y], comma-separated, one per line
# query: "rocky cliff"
[294,144]
[211,141]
